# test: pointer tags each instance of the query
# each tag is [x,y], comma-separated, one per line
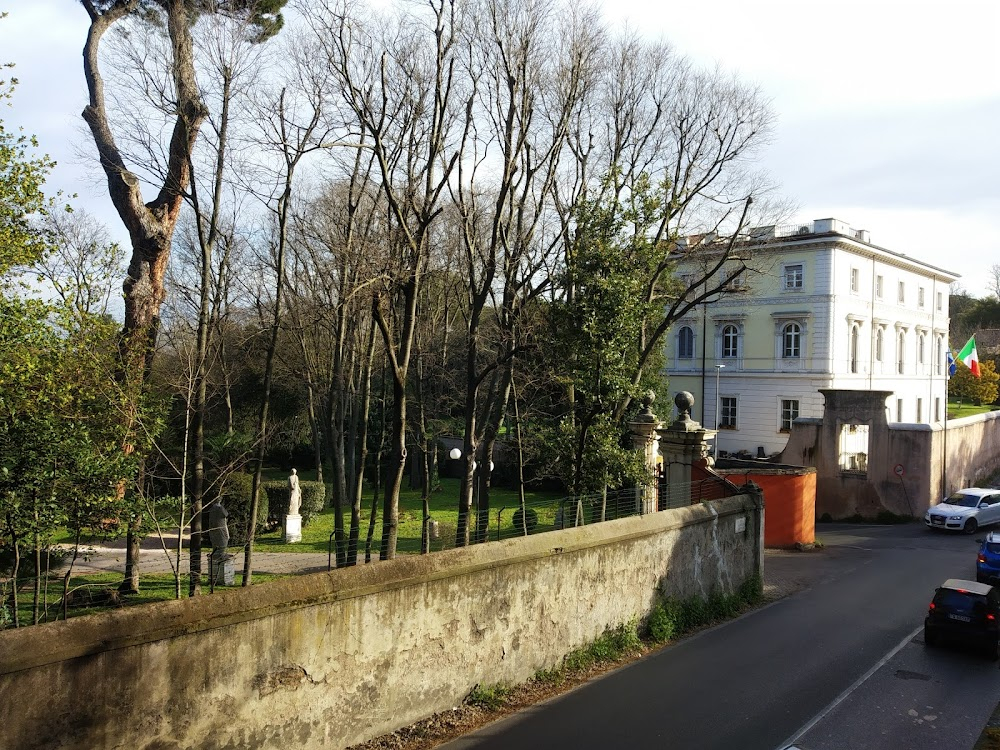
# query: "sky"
[888,112]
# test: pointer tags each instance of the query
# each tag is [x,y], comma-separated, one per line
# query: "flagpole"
[945,488]
[948,372]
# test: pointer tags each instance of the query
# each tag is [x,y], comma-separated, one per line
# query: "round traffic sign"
[898,470]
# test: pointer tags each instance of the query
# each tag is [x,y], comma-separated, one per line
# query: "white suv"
[965,510]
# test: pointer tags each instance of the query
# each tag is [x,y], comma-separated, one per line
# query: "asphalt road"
[838,665]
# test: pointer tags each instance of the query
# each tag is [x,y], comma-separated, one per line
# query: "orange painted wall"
[789,504]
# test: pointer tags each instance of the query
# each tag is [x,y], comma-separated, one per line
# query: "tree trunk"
[150,225]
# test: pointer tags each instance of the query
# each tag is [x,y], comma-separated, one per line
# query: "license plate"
[937,521]
[960,618]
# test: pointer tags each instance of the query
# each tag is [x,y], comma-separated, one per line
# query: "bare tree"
[995,280]
[83,263]
[292,125]
[527,64]
[396,78]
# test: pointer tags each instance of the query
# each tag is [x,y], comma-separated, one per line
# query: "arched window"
[854,348]
[730,341]
[879,343]
[791,341]
[900,352]
[685,343]
[920,348]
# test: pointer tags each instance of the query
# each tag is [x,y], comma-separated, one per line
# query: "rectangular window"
[937,409]
[939,301]
[727,413]
[901,293]
[920,410]
[855,280]
[789,412]
[878,287]
[854,448]
[920,296]
[899,410]
[794,276]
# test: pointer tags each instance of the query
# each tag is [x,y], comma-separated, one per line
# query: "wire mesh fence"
[56,583]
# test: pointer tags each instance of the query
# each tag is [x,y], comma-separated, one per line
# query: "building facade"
[820,307]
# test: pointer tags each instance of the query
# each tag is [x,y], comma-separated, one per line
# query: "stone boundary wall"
[934,462]
[332,659]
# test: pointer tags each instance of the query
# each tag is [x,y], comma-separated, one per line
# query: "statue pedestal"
[221,570]
[293,528]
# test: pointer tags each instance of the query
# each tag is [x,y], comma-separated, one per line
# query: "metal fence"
[536,517]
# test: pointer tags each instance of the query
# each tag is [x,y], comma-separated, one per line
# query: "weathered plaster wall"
[331,659]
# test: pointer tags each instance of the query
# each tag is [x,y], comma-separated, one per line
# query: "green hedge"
[313,499]
[234,491]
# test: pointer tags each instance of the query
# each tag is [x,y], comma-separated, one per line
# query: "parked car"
[964,612]
[965,510]
[988,559]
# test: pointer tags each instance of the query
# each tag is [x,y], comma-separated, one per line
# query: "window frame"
[729,341]
[791,341]
[793,277]
[728,412]
[788,411]
[685,347]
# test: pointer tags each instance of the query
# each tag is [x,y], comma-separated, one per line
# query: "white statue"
[294,494]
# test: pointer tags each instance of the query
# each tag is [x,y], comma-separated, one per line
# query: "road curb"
[990,740]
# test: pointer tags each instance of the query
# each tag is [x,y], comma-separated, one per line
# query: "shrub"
[664,620]
[611,645]
[490,697]
[529,515]
[672,617]
[277,500]
[234,492]
[313,500]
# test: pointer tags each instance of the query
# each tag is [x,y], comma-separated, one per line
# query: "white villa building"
[822,308]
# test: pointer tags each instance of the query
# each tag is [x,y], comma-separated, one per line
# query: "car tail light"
[930,607]
[981,558]
[990,616]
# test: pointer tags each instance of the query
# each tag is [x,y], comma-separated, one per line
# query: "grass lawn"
[87,587]
[958,409]
[443,509]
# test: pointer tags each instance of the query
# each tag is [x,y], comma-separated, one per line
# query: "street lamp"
[718,408]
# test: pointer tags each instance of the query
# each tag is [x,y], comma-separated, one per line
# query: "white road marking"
[788,744]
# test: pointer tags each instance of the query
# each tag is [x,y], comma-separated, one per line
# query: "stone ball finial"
[645,415]
[684,402]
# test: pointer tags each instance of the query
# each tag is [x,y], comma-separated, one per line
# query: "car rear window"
[993,547]
[958,601]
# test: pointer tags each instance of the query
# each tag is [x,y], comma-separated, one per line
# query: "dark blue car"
[988,559]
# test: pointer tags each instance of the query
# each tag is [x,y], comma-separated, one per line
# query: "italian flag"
[970,357]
